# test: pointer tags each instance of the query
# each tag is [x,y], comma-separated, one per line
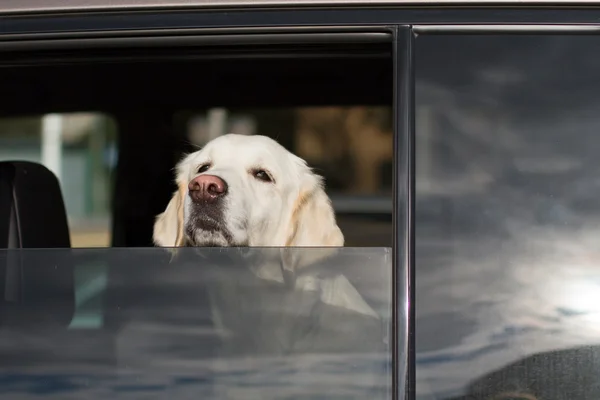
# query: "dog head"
[247,191]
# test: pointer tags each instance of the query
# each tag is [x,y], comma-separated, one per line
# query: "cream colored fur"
[293,211]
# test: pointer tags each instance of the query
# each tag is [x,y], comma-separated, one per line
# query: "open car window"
[351,146]
[325,98]
[214,323]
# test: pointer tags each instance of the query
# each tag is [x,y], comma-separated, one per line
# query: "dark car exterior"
[492,215]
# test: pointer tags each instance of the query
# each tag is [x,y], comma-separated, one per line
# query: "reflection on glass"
[508,273]
[198,323]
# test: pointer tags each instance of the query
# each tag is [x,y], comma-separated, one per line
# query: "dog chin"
[202,238]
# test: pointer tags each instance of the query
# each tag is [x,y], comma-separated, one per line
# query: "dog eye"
[262,175]
[203,168]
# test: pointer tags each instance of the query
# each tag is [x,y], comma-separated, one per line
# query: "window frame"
[403,211]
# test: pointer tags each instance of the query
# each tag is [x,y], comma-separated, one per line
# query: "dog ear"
[312,224]
[169,225]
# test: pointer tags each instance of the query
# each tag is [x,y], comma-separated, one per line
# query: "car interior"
[145,89]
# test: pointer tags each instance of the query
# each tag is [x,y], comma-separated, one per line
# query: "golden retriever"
[249,191]
[243,190]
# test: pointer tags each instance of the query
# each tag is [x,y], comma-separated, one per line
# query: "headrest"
[36,273]
[32,211]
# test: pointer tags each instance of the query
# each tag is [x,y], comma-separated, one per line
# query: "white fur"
[292,211]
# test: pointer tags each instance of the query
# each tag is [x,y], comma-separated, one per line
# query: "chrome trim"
[188,32]
[43,6]
[403,382]
[508,28]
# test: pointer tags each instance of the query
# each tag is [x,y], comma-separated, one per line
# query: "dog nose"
[207,188]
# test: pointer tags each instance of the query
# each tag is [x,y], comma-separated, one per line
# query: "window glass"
[200,322]
[507,211]
[80,149]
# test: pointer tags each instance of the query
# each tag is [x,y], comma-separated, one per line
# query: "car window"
[349,146]
[137,321]
[299,89]
[214,323]
[506,216]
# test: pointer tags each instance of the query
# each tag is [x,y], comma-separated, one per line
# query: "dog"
[240,191]
[249,191]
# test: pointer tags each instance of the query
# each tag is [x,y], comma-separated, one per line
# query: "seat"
[32,211]
[36,286]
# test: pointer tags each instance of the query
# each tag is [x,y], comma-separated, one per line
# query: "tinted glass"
[197,323]
[507,265]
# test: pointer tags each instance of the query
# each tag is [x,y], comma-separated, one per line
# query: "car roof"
[51,6]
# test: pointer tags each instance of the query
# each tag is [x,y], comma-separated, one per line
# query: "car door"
[145,89]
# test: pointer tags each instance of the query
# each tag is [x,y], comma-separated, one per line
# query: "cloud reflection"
[507,266]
